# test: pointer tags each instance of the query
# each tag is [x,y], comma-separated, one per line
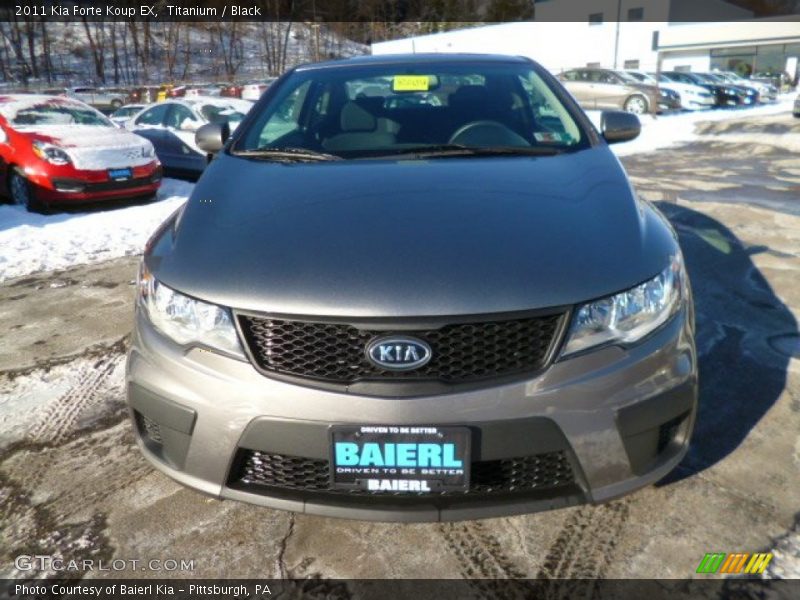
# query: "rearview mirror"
[618,126]
[212,137]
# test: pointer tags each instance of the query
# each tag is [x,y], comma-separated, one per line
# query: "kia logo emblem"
[398,353]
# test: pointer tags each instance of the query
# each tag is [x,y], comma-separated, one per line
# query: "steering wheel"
[487,133]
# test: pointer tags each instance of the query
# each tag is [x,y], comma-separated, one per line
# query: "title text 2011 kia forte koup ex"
[414,288]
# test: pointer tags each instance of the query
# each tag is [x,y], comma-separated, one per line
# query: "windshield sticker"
[411,83]
[548,136]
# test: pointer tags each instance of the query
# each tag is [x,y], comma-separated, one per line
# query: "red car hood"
[92,147]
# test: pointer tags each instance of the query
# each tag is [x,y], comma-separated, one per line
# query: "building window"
[593,65]
[596,19]
[632,64]
[683,68]
[635,14]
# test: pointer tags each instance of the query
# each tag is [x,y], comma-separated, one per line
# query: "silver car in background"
[603,88]
[100,98]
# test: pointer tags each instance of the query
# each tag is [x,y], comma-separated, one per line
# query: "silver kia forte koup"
[414,288]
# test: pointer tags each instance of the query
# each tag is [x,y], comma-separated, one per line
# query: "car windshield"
[127,111]
[215,113]
[383,110]
[53,111]
[628,77]
[702,78]
[644,77]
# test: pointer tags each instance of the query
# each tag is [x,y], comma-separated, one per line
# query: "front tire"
[636,105]
[22,192]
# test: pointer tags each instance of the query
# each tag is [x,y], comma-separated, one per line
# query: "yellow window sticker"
[411,83]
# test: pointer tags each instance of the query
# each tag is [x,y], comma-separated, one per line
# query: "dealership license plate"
[120,174]
[400,459]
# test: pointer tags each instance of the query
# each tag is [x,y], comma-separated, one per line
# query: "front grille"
[80,185]
[149,428]
[668,431]
[511,475]
[463,352]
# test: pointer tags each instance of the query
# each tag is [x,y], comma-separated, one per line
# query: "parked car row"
[640,92]
[109,99]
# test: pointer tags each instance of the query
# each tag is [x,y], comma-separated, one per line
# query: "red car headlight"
[52,154]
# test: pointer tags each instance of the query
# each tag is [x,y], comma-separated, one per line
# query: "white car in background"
[171,125]
[693,97]
[122,115]
[252,90]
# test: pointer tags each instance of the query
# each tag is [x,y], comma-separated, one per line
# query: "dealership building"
[631,34]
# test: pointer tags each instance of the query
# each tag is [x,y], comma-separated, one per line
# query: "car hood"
[92,148]
[644,87]
[412,237]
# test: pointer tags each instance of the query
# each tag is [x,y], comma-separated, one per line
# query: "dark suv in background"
[725,94]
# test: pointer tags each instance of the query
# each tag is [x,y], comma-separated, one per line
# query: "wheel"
[115,103]
[636,105]
[22,192]
[486,133]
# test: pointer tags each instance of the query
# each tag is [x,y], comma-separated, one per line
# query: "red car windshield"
[51,112]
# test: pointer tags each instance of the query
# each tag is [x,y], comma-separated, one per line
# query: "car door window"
[155,116]
[179,116]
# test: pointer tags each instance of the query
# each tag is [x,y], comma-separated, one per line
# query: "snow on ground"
[672,129]
[32,242]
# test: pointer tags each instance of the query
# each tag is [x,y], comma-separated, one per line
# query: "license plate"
[119,174]
[400,459]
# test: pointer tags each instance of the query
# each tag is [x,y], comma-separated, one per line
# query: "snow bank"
[672,129]
[32,242]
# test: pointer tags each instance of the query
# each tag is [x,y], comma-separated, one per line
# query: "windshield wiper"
[287,154]
[459,150]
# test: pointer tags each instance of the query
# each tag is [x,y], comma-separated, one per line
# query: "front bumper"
[595,427]
[77,187]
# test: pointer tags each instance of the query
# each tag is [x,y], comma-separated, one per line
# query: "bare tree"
[96,47]
[171,45]
[46,59]
[13,35]
[230,46]
[276,36]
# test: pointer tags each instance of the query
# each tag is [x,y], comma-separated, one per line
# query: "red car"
[56,150]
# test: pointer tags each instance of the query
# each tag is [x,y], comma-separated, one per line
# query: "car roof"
[36,98]
[415,59]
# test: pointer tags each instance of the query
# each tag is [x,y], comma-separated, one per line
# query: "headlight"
[731,91]
[148,151]
[186,320]
[52,154]
[628,316]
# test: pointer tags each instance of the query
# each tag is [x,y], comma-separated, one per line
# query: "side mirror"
[211,137]
[619,126]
